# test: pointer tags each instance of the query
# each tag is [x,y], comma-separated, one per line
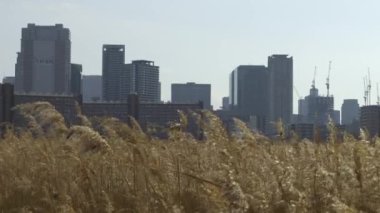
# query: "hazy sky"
[204,40]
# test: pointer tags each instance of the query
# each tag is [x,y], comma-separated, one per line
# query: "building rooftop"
[151,63]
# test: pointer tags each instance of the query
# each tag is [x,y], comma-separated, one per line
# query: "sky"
[202,41]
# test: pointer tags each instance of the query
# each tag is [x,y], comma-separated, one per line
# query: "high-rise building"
[316,109]
[191,93]
[302,110]
[225,103]
[43,64]
[9,80]
[280,87]
[76,79]
[350,111]
[92,88]
[113,72]
[249,94]
[370,120]
[320,108]
[143,78]
[351,116]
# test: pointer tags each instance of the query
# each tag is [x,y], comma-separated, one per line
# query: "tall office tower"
[92,88]
[249,94]
[9,80]
[145,81]
[351,116]
[43,64]
[350,111]
[280,87]
[191,93]
[225,103]
[76,79]
[113,71]
[370,119]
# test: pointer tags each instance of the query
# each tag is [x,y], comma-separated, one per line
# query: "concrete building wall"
[64,104]
[43,64]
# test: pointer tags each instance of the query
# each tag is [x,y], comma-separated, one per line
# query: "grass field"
[103,165]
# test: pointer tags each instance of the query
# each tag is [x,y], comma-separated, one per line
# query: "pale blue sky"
[204,40]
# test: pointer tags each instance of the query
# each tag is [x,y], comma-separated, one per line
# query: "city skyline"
[210,49]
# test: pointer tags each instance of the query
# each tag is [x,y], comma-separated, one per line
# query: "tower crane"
[298,94]
[328,80]
[369,87]
[315,74]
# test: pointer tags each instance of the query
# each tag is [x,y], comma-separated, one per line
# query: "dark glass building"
[191,93]
[113,70]
[280,87]
[76,79]
[249,95]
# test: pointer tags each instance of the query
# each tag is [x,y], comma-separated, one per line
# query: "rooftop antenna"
[328,80]
[369,87]
[315,74]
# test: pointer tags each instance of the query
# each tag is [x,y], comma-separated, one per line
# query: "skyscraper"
[113,71]
[191,93]
[351,116]
[249,94]
[43,64]
[280,87]
[350,111]
[225,103]
[76,79]
[145,80]
[370,119]
[92,88]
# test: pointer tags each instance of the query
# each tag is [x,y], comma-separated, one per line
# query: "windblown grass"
[112,167]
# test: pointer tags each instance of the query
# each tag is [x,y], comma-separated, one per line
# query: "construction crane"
[328,80]
[369,87]
[315,74]
[298,94]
